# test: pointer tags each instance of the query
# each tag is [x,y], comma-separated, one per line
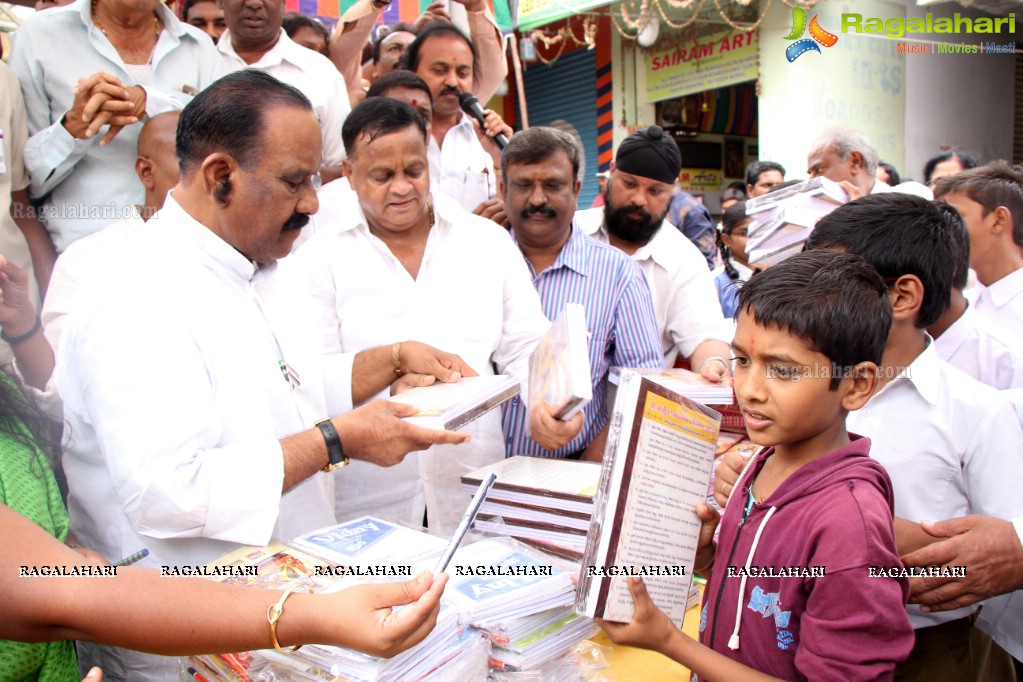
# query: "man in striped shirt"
[540,188]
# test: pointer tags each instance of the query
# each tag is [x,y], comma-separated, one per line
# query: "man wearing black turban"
[636,202]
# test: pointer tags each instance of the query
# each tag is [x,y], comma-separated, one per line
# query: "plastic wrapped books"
[368,541]
[495,581]
[534,642]
[559,368]
[452,406]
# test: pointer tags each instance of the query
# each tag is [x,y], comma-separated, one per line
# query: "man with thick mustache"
[540,188]
[255,39]
[636,201]
[197,401]
[463,157]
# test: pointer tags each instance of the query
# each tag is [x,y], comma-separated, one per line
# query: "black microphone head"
[466,100]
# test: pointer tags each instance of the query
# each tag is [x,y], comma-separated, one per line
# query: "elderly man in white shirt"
[69,154]
[197,402]
[255,40]
[849,158]
[407,263]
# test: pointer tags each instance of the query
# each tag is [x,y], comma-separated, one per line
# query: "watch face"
[334,466]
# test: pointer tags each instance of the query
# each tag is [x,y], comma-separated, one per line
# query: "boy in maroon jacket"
[800,583]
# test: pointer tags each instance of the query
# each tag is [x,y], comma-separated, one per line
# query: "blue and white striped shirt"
[621,321]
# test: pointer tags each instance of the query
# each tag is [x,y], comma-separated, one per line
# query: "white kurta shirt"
[312,74]
[987,353]
[176,402]
[169,370]
[951,446]
[1001,304]
[473,296]
[683,291]
[461,168]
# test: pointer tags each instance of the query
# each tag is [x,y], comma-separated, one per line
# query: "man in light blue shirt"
[540,189]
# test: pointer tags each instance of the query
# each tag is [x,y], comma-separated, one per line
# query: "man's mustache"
[644,215]
[448,90]
[297,221]
[543,210]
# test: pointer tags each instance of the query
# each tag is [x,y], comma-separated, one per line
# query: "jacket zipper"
[721,587]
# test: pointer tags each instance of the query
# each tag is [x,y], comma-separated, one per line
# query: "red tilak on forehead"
[415,102]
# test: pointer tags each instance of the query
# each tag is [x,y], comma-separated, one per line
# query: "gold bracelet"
[396,358]
[273,614]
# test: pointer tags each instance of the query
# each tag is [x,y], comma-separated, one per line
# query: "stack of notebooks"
[535,642]
[783,220]
[368,541]
[544,502]
[520,599]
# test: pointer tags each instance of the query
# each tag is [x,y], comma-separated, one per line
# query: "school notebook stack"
[521,599]
[545,502]
[783,220]
[656,468]
[367,541]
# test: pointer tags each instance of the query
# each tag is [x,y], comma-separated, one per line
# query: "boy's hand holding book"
[650,628]
[706,548]
[727,474]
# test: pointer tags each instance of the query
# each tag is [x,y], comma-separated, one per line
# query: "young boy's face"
[977,224]
[782,388]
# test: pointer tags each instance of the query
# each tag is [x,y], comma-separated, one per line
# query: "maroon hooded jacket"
[824,617]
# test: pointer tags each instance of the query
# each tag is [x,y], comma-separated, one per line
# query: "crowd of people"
[228,237]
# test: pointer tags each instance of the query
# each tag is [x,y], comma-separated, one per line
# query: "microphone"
[471,106]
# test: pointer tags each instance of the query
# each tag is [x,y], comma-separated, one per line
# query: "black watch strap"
[335,451]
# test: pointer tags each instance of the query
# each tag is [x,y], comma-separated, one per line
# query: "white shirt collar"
[958,332]
[182,229]
[1006,289]
[282,51]
[924,373]
[659,249]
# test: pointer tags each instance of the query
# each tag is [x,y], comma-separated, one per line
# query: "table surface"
[629,663]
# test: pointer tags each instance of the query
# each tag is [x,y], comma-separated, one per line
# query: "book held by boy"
[452,406]
[683,381]
[559,368]
[657,464]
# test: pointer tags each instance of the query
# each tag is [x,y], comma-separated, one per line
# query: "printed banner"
[713,61]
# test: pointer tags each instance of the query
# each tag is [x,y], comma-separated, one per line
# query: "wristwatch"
[335,451]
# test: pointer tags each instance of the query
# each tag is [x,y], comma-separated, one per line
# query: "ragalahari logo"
[819,35]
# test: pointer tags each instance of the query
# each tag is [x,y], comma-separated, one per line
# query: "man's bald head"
[157,162]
